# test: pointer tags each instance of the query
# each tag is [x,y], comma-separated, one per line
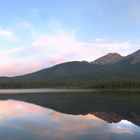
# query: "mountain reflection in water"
[25,121]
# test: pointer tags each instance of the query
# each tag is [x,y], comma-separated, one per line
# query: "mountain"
[104,71]
[134,58]
[110,58]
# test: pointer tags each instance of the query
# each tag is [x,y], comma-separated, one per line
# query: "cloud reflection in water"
[23,121]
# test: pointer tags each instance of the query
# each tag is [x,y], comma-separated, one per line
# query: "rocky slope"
[110,58]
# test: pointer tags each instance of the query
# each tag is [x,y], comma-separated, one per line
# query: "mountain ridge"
[114,68]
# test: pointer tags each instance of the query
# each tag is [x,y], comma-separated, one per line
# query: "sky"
[36,34]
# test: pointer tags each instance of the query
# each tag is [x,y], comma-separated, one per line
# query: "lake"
[48,114]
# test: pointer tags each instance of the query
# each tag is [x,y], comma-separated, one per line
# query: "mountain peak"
[110,58]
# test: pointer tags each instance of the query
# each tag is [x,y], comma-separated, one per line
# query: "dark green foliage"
[95,84]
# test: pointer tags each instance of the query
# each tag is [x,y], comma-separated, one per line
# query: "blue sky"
[35,34]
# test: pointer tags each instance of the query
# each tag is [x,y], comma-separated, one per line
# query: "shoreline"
[57,90]
[43,90]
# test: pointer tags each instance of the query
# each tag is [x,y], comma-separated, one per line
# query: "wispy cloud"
[35,11]
[8,35]
[24,24]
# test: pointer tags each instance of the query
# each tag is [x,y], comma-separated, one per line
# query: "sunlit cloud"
[48,50]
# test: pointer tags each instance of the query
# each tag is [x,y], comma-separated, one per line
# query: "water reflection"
[111,106]
[25,121]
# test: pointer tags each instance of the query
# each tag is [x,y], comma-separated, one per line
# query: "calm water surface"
[73,115]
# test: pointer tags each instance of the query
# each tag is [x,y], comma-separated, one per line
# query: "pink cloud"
[48,50]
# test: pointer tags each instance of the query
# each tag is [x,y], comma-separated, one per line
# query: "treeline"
[124,84]
[26,84]
[14,85]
